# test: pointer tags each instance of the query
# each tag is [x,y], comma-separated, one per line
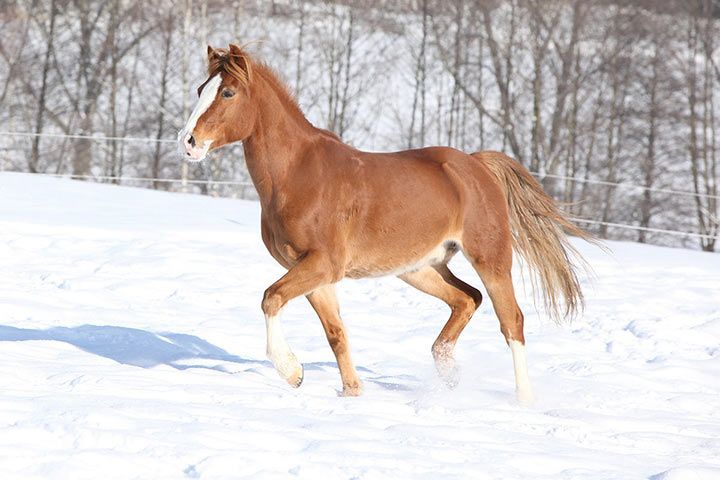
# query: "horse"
[331,211]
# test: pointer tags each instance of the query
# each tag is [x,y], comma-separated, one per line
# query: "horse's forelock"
[238,66]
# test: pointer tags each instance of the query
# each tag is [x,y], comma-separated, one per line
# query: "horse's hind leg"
[462,299]
[494,267]
[324,301]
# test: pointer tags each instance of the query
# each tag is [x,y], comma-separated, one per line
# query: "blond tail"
[538,229]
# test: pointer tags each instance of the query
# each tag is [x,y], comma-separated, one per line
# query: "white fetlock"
[279,353]
[525,396]
[288,367]
[522,380]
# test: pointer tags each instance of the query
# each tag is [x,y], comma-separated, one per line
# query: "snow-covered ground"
[132,346]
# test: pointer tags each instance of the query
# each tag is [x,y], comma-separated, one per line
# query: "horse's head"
[224,112]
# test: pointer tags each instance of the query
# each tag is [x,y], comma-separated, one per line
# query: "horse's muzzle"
[189,147]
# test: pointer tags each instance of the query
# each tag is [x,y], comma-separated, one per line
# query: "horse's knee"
[336,338]
[271,303]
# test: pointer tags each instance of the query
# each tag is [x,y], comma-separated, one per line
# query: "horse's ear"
[211,53]
[242,58]
[235,50]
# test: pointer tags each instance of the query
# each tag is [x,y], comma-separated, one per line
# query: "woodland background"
[612,104]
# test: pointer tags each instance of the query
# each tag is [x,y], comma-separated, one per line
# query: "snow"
[132,345]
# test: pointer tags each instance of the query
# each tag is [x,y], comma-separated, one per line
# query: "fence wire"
[586,221]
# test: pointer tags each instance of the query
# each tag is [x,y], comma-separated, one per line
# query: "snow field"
[132,345]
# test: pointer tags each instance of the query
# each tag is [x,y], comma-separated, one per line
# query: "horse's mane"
[237,63]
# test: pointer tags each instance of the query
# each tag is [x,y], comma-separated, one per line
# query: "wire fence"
[121,179]
[645,229]
[626,185]
[101,138]
[97,138]
[243,183]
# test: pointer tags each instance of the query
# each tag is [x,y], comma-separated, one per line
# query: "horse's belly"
[403,262]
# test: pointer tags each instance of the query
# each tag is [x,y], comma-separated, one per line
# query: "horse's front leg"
[324,301]
[312,272]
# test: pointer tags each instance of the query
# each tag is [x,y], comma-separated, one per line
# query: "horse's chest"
[279,242]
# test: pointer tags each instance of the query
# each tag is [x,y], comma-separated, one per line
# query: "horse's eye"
[227,93]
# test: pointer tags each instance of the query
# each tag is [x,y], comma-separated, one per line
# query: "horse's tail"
[537,229]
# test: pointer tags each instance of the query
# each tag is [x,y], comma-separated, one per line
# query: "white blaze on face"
[207,97]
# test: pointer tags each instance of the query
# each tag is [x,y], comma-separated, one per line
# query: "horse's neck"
[279,137]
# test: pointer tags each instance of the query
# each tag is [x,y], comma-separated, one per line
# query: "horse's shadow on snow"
[141,348]
[132,346]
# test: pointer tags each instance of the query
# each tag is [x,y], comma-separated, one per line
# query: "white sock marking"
[278,350]
[522,380]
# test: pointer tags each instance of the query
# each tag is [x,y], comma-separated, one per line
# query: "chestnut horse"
[330,211]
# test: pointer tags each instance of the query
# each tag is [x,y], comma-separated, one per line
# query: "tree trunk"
[40,114]
[156,172]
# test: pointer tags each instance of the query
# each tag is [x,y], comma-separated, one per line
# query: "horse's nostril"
[191,140]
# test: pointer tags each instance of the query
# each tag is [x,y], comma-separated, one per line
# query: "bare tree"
[185,62]
[419,94]
[700,98]
[168,29]
[94,45]
[41,107]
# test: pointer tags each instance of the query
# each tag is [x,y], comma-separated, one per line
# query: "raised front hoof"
[525,397]
[297,377]
[288,367]
[353,390]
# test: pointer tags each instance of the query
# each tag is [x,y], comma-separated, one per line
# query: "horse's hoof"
[296,379]
[351,390]
[449,373]
[525,397]
[452,378]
